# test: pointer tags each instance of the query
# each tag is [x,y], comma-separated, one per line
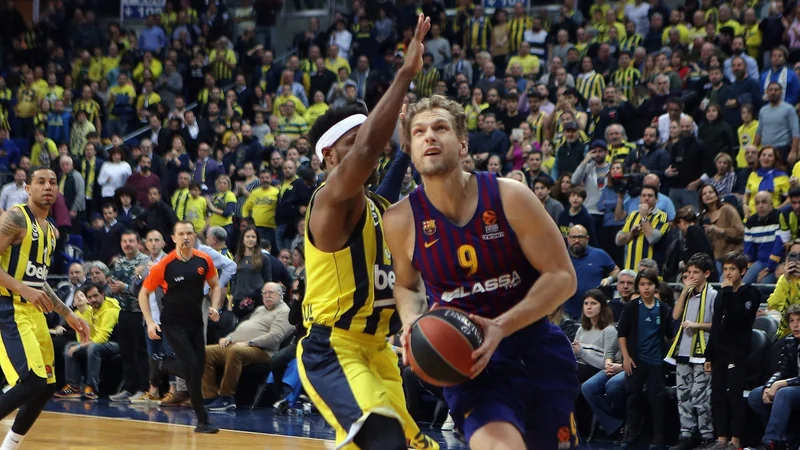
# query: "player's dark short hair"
[334,115]
[36,169]
[737,259]
[702,261]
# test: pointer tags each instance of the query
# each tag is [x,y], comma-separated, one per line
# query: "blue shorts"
[530,383]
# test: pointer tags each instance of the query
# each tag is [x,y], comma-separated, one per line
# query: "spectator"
[570,153]
[694,310]
[102,323]
[596,338]
[777,121]
[253,271]
[721,223]
[143,180]
[14,193]
[577,214]
[768,177]
[592,173]
[541,187]
[644,230]
[644,344]
[114,173]
[786,291]
[593,266]
[686,168]
[759,240]
[728,349]
[777,400]
[692,240]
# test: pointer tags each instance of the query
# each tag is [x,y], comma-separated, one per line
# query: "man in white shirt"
[14,193]
[342,38]
[638,13]
[674,114]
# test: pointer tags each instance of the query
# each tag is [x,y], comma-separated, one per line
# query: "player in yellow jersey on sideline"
[27,242]
[345,362]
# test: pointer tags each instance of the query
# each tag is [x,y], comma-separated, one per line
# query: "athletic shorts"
[533,388]
[349,376]
[25,343]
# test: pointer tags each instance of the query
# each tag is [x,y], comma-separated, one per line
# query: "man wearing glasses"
[254,341]
[593,266]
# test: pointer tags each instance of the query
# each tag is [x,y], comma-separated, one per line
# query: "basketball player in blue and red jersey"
[345,363]
[488,247]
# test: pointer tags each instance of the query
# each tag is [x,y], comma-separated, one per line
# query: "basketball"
[441,346]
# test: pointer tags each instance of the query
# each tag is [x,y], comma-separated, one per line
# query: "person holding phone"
[786,289]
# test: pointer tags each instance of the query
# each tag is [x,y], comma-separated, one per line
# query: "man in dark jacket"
[158,216]
[570,154]
[72,187]
[775,402]
[686,168]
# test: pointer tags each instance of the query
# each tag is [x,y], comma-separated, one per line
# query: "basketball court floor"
[102,425]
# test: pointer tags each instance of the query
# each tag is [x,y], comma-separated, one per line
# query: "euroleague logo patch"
[201,271]
[491,228]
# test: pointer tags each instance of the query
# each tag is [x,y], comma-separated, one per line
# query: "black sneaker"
[206,428]
[684,443]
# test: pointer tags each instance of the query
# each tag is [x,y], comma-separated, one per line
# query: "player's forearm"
[547,293]
[379,126]
[410,303]
[58,306]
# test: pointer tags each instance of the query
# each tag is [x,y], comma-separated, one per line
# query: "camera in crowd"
[630,183]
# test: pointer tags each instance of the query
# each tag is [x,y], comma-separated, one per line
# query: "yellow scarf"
[88,174]
[699,338]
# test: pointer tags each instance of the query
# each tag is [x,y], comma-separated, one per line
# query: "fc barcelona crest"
[429,227]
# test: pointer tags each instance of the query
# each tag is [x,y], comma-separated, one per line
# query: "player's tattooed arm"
[12,224]
[58,306]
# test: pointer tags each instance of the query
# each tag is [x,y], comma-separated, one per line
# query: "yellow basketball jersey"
[29,261]
[352,289]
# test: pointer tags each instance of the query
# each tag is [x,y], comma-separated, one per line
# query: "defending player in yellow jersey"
[345,362]
[27,242]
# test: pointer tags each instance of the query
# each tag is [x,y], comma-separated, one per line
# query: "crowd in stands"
[663,143]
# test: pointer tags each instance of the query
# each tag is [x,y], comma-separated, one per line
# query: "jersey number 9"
[468,259]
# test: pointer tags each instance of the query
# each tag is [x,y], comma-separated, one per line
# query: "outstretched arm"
[347,180]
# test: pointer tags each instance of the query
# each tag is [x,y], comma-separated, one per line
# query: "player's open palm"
[415,48]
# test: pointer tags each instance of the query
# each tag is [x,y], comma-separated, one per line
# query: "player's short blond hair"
[437,101]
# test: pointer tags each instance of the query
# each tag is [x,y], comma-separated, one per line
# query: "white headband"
[337,131]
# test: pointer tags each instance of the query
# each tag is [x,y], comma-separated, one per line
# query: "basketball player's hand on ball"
[416,49]
[405,339]
[152,330]
[80,326]
[492,335]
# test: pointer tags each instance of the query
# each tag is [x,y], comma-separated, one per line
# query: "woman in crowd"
[596,338]
[474,109]
[495,165]
[722,224]
[716,134]
[747,133]
[561,189]
[252,271]
[299,261]
[769,176]
[222,206]
[725,178]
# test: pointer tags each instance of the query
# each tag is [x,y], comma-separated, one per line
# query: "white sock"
[12,441]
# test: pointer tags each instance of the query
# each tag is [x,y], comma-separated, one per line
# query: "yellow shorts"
[349,376]
[25,343]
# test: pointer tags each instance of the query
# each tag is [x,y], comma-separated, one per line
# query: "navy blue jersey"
[480,267]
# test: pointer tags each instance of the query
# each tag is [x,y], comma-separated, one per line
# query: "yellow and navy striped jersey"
[29,261]
[293,127]
[639,247]
[590,85]
[536,122]
[179,199]
[479,34]
[516,31]
[221,70]
[629,43]
[352,289]
[625,80]
[91,107]
[618,153]
[426,80]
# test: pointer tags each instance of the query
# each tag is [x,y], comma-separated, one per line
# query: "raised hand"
[415,48]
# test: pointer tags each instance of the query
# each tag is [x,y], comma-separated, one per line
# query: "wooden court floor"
[72,431]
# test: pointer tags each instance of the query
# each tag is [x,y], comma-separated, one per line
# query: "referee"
[182,274]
